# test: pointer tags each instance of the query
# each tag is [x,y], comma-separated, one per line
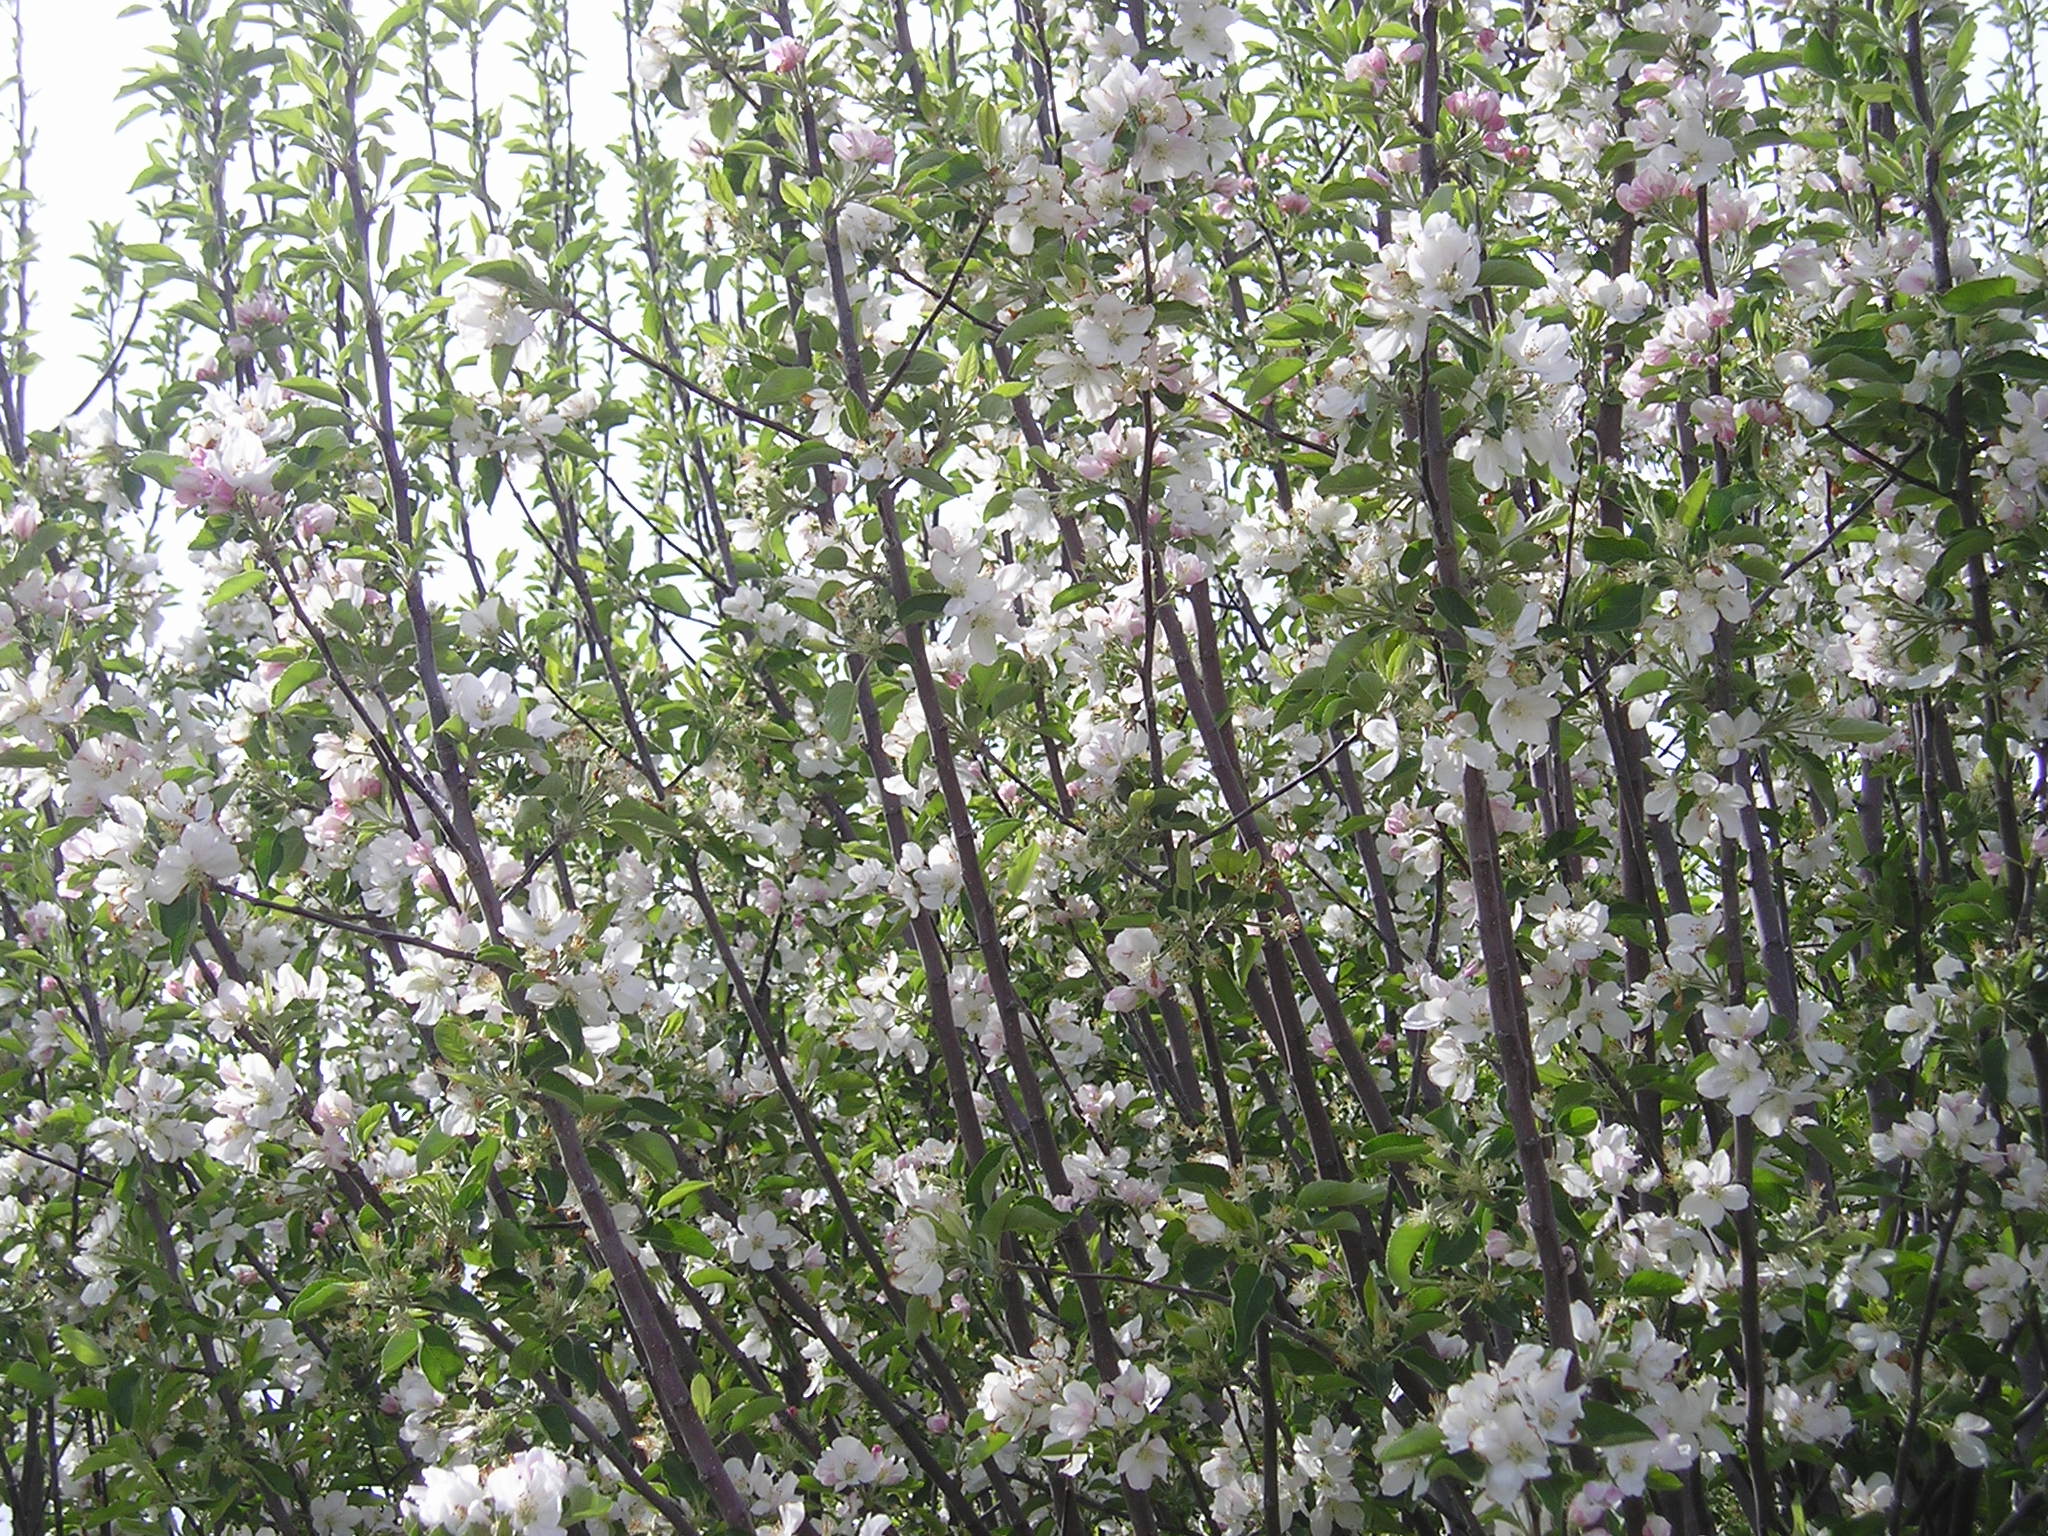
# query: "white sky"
[80,53]
[79,56]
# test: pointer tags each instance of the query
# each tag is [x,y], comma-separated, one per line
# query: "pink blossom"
[259,310]
[1370,65]
[1650,187]
[199,482]
[1480,108]
[1715,415]
[863,146]
[785,56]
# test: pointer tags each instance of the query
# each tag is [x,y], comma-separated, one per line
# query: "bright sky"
[78,55]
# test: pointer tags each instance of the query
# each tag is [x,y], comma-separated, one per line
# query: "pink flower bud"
[1293,204]
[863,146]
[260,310]
[785,56]
[1370,65]
[1480,108]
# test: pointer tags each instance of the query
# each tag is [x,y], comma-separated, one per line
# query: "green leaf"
[1402,1249]
[320,1296]
[398,1351]
[565,1023]
[1980,294]
[1330,1194]
[1970,544]
[651,1150]
[1231,1213]
[177,920]
[278,851]
[316,389]
[32,1378]
[1764,62]
[1603,1424]
[1618,608]
[782,384]
[809,455]
[1396,1147]
[1510,272]
[163,468]
[1351,479]
[1030,1213]
[764,1405]
[82,1347]
[1039,322]
[237,585]
[1646,681]
[440,1358]
[1612,549]
[517,276]
[294,677]
[1251,1299]
[1079,592]
[1420,1443]
[1261,381]
[681,1192]
[124,1395]
[836,715]
[987,1448]
[982,1176]
[1455,609]
[922,608]
[1845,728]
[1653,1282]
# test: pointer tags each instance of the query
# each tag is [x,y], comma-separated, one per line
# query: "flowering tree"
[1148,769]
